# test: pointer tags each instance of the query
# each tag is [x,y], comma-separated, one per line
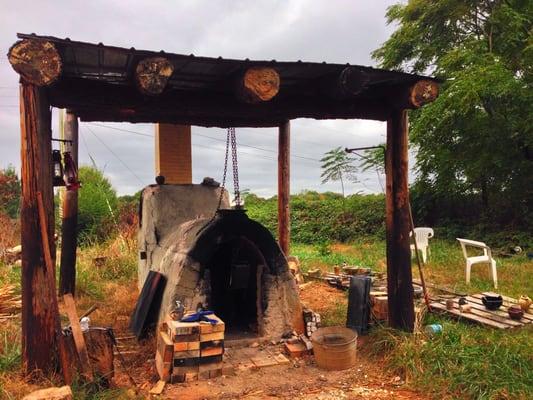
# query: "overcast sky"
[337,31]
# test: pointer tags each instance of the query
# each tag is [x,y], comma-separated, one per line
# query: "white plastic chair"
[422,236]
[486,258]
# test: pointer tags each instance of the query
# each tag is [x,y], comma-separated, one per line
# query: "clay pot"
[515,312]
[492,301]
[525,302]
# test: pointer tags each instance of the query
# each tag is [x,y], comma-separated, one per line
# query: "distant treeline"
[328,217]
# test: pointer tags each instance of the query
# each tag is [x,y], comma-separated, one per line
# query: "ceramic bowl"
[492,303]
[515,312]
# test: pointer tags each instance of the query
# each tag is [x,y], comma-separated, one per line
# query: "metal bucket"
[335,347]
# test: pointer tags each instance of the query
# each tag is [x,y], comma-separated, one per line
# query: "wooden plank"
[158,387]
[481,311]
[79,340]
[40,314]
[165,347]
[399,275]
[164,369]
[284,187]
[477,299]
[212,336]
[69,218]
[50,265]
[469,316]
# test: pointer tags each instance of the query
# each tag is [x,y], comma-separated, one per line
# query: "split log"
[37,61]
[152,75]
[99,344]
[258,84]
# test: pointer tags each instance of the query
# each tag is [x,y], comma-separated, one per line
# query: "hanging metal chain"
[231,132]
[223,185]
[230,139]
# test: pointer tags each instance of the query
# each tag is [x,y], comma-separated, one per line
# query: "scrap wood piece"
[469,316]
[480,310]
[77,333]
[52,393]
[50,266]
[158,387]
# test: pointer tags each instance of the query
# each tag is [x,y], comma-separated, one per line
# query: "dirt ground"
[299,379]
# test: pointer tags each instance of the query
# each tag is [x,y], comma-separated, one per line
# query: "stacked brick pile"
[188,351]
[312,322]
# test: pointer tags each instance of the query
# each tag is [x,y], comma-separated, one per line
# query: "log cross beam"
[399,277]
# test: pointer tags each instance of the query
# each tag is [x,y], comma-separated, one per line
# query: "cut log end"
[152,75]
[37,61]
[259,84]
[423,92]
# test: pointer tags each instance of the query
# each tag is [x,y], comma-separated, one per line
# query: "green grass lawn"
[466,361]
[445,267]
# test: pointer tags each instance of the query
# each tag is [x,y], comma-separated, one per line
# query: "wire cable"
[116,156]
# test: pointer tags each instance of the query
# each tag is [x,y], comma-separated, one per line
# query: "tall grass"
[465,361]
[9,351]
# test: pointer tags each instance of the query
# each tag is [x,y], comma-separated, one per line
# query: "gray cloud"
[332,31]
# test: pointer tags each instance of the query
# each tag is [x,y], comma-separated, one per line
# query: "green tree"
[9,192]
[97,206]
[476,139]
[337,165]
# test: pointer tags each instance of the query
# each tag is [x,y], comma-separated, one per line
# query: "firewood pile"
[10,302]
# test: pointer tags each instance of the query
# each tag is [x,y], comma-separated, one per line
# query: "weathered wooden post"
[39,310]
[67,268]
[399,277]
[39,64]
[284,187]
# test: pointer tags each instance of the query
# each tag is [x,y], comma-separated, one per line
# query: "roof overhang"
[101,83]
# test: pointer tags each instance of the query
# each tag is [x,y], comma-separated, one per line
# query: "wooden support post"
[399,277]
[69,205]
[284,187]
[40,315]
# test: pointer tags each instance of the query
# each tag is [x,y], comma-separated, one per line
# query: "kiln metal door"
[235,287]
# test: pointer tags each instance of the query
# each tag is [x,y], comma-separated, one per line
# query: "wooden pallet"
[478,313]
